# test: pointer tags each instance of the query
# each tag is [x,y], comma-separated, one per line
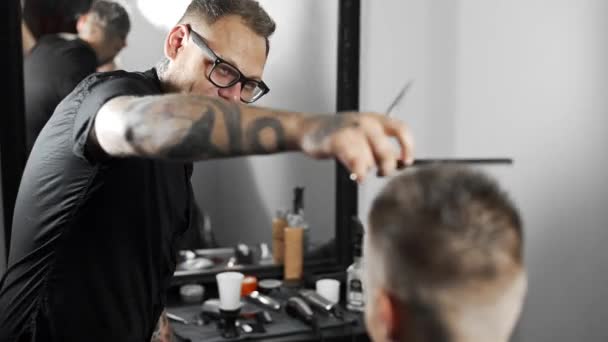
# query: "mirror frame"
[12,121]
[347,191]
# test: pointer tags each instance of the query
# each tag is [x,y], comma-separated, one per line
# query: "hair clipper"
[264,300]
[297,308]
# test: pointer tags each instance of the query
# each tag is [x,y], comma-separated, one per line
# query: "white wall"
[525,79]
[146,40]
[410,40]
[533,84]
[242,194]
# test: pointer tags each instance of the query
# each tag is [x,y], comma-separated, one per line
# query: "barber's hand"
[163,331]
[361,141]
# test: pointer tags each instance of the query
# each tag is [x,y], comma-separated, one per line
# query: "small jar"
[192,293]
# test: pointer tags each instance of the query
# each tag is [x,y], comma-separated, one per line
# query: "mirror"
[238,198]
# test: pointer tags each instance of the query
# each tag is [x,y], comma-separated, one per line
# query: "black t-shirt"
[93,243]
[50,72]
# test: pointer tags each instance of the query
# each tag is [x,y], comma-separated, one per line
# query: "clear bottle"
[355,298]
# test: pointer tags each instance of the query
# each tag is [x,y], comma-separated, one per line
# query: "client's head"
[443,259]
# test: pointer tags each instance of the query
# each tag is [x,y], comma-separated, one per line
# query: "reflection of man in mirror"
[443,259]
[106,191]
[58,62]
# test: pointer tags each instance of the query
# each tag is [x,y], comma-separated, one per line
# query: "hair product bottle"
[278,237]
[355,299]
[293,266]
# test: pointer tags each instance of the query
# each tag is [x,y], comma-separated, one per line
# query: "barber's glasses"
[225,75]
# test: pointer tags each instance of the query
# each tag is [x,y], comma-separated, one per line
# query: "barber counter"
[259,321]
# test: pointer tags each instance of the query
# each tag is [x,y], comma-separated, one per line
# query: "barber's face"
[229,39]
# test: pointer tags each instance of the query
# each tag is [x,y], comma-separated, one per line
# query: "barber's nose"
[231,93]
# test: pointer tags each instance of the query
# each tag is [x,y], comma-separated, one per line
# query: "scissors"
[396,101]
[425,161]
[399,97]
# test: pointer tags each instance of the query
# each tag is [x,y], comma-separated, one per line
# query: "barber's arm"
[190,128]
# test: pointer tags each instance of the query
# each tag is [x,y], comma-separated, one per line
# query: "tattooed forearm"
[232,120]
[330,124]
[193,128]
[256,140]
[197,141]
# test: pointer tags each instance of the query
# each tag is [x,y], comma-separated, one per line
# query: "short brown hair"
[113,17]
[443,227]
[253,15]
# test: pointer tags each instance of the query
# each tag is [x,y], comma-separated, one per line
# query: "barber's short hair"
[444,227]
[112,16]
[253,15]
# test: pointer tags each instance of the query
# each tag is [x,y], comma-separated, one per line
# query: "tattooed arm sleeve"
[189,128]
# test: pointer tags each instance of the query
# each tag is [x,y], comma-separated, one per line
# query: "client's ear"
[394,315]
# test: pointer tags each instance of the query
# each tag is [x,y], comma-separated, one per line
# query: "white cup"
[329,288]
[229,286]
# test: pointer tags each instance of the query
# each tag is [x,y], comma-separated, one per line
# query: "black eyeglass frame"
[200,42]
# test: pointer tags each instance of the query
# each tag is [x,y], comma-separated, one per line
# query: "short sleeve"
[95,91]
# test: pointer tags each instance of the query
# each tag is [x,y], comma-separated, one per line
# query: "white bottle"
[355,299]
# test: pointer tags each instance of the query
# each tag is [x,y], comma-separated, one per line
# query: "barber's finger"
[406,141]
[385,154]
[362,166]
[358,159]
[389,167]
